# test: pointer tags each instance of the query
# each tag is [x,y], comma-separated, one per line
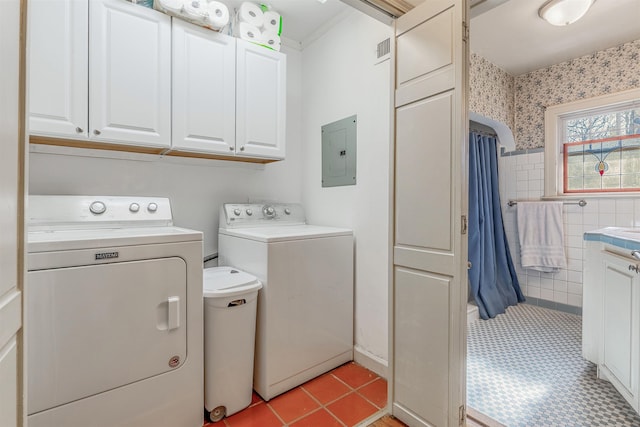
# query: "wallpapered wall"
[492,91]
[608,71]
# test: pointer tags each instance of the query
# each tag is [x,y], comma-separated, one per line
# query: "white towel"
[541,236]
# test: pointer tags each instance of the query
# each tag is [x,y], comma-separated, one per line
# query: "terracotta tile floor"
[343,397]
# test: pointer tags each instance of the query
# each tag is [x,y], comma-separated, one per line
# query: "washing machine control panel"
[260,214]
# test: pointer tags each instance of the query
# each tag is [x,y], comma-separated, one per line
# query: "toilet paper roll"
[272,22]
[196,10]
[251,14]
[218,15]
[249,32]
[171,6]
[271,39]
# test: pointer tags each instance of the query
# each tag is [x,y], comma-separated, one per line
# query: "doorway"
[517,69]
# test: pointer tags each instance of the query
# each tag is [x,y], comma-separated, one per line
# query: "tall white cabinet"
[115,90]
[428,293]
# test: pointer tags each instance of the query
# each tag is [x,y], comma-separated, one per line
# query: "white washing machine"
[305,308]
[113,306]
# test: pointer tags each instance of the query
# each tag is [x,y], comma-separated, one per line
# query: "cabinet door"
[12,213]
[260,101]
[130,74]
[204,69]
[58,66]
[429,290]
[620,326]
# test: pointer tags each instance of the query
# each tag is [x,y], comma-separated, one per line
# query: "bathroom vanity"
[611,308]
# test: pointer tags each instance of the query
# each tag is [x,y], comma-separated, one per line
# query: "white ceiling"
[300,18]
[513,37]
[508,33]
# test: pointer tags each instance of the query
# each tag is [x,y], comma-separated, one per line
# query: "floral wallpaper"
[520,101]
[491,91]
[608,71]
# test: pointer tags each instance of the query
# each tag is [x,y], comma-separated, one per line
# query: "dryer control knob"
[269,211]
[152,207]
[134,207]
[249,212]
[237,212]
[97,208]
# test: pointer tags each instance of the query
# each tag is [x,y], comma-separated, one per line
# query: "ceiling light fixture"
[564,12]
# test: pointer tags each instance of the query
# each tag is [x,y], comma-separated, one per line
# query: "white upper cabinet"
[260,101]
[58,59]
[204,74]
[116,75]
[130,74]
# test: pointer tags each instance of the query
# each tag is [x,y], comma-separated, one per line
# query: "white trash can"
[230,302]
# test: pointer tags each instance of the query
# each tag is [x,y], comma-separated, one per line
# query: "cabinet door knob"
[96,132]
[242,148]
[79,130]
[230,148]
[635,254]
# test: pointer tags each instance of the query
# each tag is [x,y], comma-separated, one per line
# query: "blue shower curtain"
[492,278]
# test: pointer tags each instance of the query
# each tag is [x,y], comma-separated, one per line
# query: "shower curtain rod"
[582,203]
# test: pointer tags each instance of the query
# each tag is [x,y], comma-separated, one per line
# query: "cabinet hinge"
[465,32]
[462,413]
[464,224]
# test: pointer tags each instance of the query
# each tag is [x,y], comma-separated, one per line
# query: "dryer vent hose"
[210,257]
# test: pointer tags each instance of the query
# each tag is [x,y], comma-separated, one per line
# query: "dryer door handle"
[173,313]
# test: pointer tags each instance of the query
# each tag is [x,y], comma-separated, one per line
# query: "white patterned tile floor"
[525,369]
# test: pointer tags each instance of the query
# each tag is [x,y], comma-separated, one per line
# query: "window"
[593,146]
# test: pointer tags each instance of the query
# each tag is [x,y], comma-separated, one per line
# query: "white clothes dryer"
[305,308]
[113,306]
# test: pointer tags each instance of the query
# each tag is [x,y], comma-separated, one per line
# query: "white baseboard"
[370,361]
[473,313]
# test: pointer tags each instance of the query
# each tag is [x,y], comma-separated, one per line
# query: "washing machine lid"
[223,282]
[286,233]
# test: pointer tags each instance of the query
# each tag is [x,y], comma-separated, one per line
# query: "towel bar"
[582,203]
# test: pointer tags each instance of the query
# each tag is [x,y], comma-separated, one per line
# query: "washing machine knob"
[269,211]
[152,207]
[237,211]
[249,212]
[97,208]
[134,207]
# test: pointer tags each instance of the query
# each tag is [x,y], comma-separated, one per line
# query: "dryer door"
[94,328]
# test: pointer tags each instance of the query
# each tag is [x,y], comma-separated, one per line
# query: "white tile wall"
[522,178]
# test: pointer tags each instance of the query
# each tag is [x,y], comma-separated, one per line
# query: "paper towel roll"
[271,39]
[272,22]
[249,32]
[218,15]
[251,14]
